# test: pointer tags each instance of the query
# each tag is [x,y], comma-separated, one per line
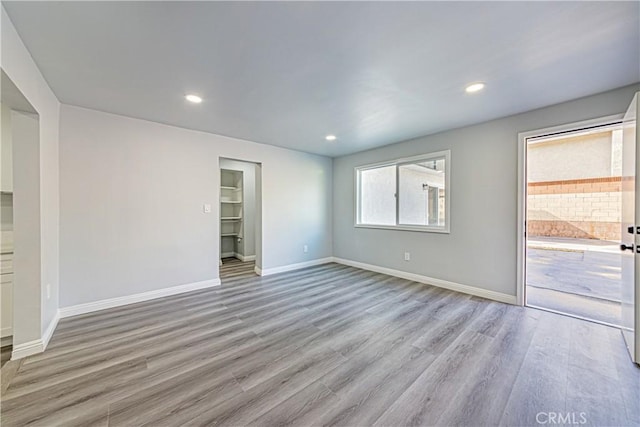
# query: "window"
[405,194]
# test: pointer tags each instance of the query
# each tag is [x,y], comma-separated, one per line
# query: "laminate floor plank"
[233,268]
[379,359]
[95,354]
[127,347]
[68,400]
[155,403]
[438,339]
[484,395]
[326,345]
[250,285]
[589,345]
[494,321]
[541,384]
[596,396]
[282,290]
[434,390]
[244,408]
[383,328]
[212,341]
[629,381]
[371,389]
[298,409]
[7,372]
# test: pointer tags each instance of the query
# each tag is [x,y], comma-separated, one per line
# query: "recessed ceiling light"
[474,87]
[330,137]
[193,98]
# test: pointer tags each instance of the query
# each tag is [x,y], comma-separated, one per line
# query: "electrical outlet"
[48,291]
[407,256]
[206,208]
[305,249]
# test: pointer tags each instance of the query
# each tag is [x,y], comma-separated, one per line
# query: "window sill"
[444,230]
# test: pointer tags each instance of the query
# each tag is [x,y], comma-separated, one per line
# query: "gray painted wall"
[132,194]
[6,171]
[480,251]
[26,227]
[6,212]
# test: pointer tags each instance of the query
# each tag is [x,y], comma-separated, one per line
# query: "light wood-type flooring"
[327,345]
[233,268]
[5,354]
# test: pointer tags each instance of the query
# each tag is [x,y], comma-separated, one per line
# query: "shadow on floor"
[5,354]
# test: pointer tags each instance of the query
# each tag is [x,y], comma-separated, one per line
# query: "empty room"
[320,213]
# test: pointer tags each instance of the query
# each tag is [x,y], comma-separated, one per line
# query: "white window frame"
[446,154]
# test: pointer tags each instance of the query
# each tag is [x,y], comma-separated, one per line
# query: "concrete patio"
[580,277]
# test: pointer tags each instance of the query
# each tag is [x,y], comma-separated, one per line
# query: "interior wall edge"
[32,319]
[48,333]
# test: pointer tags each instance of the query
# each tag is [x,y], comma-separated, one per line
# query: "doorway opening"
[6,237]
[19,211]
[573,222]
[240,219]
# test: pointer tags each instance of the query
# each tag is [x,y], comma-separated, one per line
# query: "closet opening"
[240,219]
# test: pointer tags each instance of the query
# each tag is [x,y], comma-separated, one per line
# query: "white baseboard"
[39,345]
[465,289]
[48,333]
[238,256]
[36,346]
[75,310]
[27,349]
[291,267]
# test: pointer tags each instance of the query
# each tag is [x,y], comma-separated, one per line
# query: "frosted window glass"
[377,196]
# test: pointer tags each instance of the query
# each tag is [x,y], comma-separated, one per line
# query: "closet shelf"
[231,214]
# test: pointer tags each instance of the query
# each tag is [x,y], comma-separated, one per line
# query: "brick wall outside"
[581,208]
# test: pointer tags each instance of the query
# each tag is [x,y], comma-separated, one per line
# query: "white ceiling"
[289,73]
